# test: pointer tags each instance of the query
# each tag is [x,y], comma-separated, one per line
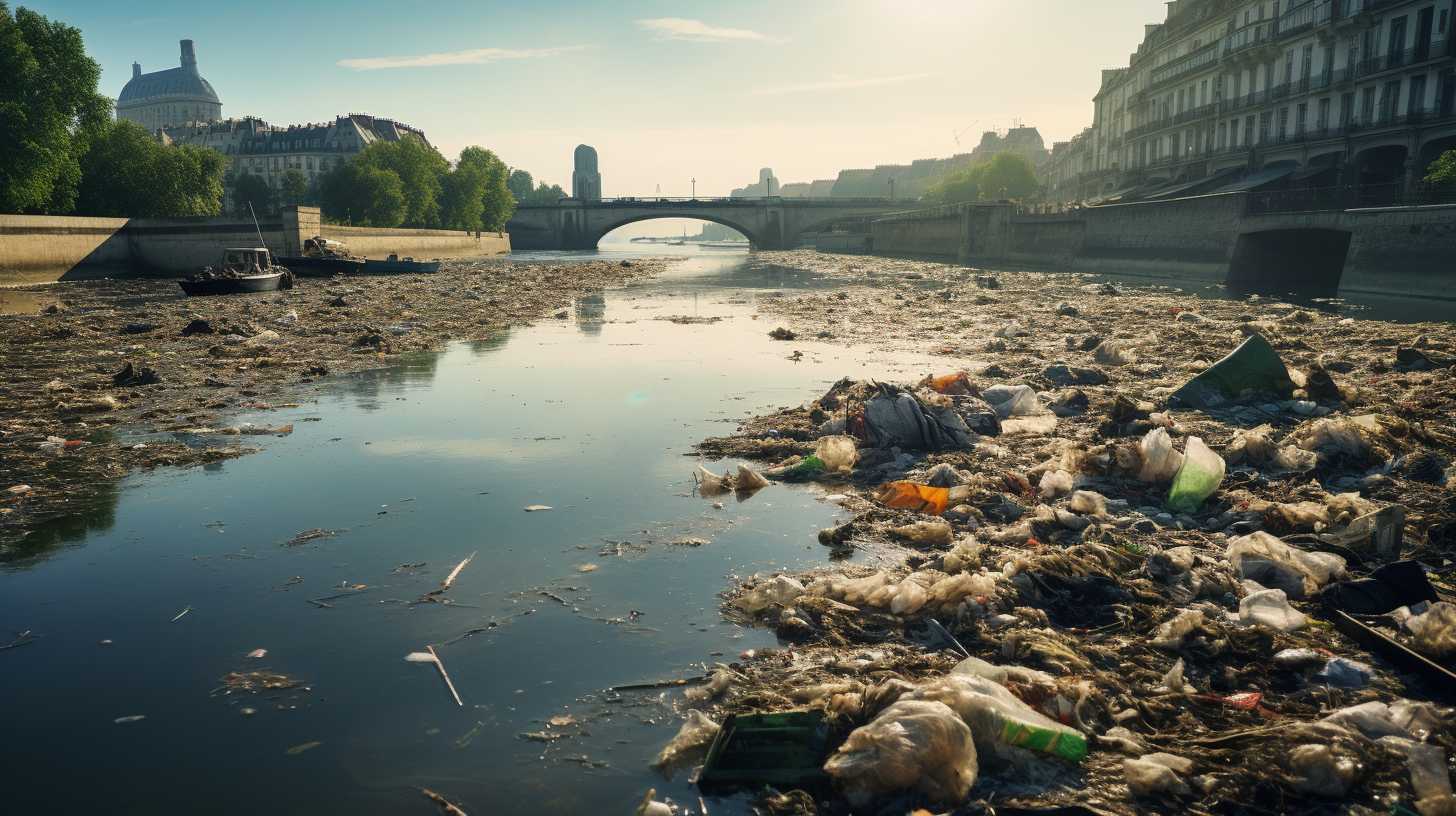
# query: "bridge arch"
[598,234]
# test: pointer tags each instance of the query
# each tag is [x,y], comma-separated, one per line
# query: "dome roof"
[171,82]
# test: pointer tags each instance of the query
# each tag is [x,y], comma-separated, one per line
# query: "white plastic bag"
[1170,634]
[1113,352]
[1270,608]
[935,532]
[1160,460]
[781,590]
[1198,477]
[998,718]
[748,479]
[838,453]
[912,744]
[690,744]
[1265,559]
[1012,400]
[1434,630]
[710,483]
[1157,774]
[1055,484]
[1088,503]
[1321,772]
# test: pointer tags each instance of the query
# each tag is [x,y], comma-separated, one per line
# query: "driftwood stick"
[441,666]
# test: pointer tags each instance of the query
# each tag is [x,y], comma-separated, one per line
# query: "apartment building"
[1253,94]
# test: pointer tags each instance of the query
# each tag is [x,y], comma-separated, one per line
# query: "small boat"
[395,265]
[323,258]
[243,270]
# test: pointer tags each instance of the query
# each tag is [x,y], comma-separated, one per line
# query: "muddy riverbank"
[1045,541]
[136,354]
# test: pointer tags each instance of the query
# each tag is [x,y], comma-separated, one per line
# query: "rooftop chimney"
[136,70]
[189,57]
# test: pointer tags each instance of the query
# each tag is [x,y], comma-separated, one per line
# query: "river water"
[144,605]
[416,467]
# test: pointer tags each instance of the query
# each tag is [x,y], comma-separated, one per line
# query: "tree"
[127,173]
[1004,176]
[251,189]
[1442,172]
[358,193]
[1008,175]
[50,112]
[547,195]
[462,202]
[498,204]
[521,185]
[293,187]
[421,171]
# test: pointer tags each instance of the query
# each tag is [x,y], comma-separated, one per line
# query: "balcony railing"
[1202,58]
[1304,17]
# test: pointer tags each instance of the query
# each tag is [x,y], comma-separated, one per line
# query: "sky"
[666,90]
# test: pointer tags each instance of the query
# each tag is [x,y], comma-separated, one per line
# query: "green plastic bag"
[1252,367]
[1201,474]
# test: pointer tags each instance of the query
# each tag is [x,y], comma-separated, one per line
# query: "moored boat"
[323,258]
[395,265]
[244,270]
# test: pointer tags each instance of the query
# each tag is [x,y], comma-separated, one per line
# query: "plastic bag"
[690,744]
[1160,461]
[1199,476]
[780,590]
[1261,557]
[912,744]
[957,383]
[1402,718]
[1270,608]
[909,598]
[1252,367]
[1170,634]
[1012,400]
[957,588]
[929,533]
[1037,425]
[1434,630]
[838,453]
[1173,681]
[1321,772]
[1088,502]
[748,480]
[853,591]
[1114,353]
[965,555]
[1157,774]
[710,483]
[998,718]
[1055,484]
[912,496]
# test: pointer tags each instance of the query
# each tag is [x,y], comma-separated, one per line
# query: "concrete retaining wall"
[1198,229]
[422,244]
[1405,250]
[41,249]
[938,235]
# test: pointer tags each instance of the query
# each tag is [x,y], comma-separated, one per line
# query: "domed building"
[176,96]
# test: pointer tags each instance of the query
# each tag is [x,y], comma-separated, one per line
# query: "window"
[1395,52]
[1389,100]
[1307,67]
[1249,131]
[1283,124]
[1222,135]
[1417,95]
[1266,123]
[1203,93]
[1301,118]
[1367,106]
[1289,67]
[1322,119]
[1347,109]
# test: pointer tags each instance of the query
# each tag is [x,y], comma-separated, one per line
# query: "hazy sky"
[666,90]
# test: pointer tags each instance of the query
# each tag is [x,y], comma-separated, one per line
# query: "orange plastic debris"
[957,383]
[912,496]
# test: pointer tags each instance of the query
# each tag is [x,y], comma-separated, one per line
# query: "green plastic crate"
[784,750]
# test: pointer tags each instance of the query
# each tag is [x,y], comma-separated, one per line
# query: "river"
[414,468]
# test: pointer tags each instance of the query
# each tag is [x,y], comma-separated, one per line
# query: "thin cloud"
[679,28]
[839,84]
[474,56]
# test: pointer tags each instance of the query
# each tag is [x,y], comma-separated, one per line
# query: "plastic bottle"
[1200,475]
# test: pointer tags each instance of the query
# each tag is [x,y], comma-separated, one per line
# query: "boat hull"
[233,286]
[322,267]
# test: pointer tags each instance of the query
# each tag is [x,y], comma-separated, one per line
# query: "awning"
[1264,177]
[1197,186]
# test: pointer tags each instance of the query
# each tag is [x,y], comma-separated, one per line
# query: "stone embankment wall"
[1396,250]
[41,249]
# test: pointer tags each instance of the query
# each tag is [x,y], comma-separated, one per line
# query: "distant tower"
[767,181]
[586,182]
[175,96]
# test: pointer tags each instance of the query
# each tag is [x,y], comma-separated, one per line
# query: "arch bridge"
[768,223]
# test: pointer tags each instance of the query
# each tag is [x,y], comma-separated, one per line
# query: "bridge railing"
[717,201]
[1348,197]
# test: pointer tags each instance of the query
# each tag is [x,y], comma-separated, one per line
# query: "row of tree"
[62,153]
[1005,176]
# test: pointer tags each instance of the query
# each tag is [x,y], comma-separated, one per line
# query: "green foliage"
[497,202]
[1442,172]
[1004,176]
[546,195]
[50,112]
[421,171]
[521,185]
[292,187]
[358,193]
[251,189]
[128,173]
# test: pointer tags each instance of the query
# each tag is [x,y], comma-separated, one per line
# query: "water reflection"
[95,512]
[590,310]
[409,370]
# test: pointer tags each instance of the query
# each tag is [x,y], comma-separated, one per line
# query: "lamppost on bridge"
[695,188]
[892,188]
